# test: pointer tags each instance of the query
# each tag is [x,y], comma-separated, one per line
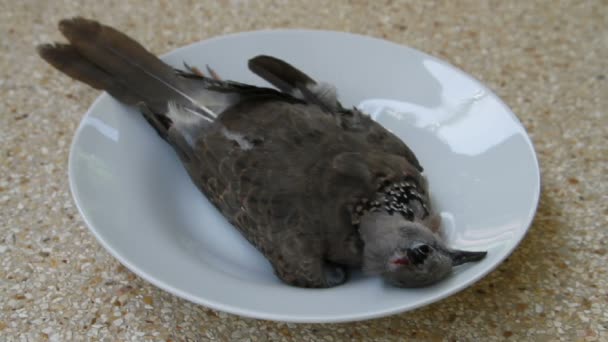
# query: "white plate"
[140,204]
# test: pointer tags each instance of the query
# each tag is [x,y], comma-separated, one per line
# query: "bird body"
[315,187]
[300,205]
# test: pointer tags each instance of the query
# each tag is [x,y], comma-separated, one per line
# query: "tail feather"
[114,50]
[67,59]
[136,75]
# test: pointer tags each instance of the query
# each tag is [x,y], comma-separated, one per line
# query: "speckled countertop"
[547,59]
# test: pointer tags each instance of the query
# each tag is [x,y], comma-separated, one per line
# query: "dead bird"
[316,187]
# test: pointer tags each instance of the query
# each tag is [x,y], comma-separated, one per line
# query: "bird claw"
[212,73]
[196,71]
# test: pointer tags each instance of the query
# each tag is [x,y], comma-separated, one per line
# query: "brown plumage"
[293,170]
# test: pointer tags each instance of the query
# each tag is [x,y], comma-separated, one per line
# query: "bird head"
[408,254]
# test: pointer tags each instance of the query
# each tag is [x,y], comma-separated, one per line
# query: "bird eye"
[424,249]
[419,253]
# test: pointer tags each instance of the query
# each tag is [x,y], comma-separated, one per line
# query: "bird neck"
[380,225]
[381,236]
[405,198]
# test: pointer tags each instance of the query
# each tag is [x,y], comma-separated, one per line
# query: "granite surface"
[548,60]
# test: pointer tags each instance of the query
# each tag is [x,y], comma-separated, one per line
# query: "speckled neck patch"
[395,197]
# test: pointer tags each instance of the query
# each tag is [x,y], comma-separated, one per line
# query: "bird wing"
[290,80]
[268,169]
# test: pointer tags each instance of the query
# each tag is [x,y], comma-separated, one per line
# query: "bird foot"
[198,71]
[213,74]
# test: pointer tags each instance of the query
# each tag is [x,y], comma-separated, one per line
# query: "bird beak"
[461,257]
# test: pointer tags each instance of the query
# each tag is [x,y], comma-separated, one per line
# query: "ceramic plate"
[138,201]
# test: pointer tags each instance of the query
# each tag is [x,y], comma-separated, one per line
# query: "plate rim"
[294,318]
